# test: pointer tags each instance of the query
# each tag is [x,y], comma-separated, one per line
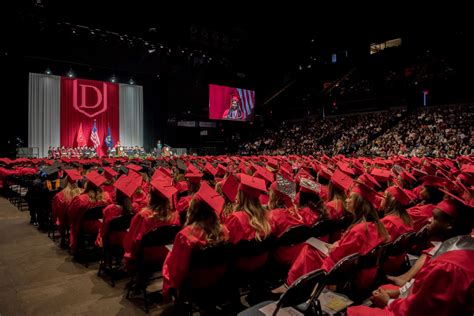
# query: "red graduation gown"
[395,228]
[175,267]
[360,238]
[141,198]
[141,224]
[79,205]
[444,286]
[283,219]
[183,203]
[110,212]
[420,214]
[238,224]
[59,209]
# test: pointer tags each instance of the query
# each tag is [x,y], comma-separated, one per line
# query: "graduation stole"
[50,187]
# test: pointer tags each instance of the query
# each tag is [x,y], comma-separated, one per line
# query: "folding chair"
[112,245]
[150,258]
[302,295]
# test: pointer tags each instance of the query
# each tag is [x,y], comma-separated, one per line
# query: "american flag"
[247,98]
[95,136]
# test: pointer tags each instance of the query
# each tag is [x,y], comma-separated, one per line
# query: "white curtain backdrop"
[131,115]
[43,112]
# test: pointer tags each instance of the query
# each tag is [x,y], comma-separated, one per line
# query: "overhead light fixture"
[47,71]
[113,79]
[131,81]
[70,73]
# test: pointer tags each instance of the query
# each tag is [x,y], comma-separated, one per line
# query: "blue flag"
[108,139]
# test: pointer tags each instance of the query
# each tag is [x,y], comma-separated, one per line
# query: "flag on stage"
[81,141]
[95,136]
[108,139]
[247,101]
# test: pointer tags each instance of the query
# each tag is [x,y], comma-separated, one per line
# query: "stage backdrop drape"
[83,101]
[43,112]
[131,115]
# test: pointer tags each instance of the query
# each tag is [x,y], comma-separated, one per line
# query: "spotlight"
[151,50]
[113,79]
[47,71]
[131,81]
[300,67]
[70,73]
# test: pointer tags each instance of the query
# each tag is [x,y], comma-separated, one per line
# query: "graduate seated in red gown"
[396,220]
[430,195]
[228,188]
[308,199]
[337,189]
[93,196]
[62,200]
[250,221]
[444,284]
[362,236]
[125,187]
[158,213]
[194,182]
[202,229]
[285,214]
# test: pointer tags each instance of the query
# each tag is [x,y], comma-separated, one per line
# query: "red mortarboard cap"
[307,185]
[418,172]
[458,198]
[221,170]
[95,178]
[165,171]
[303,174]
[341,180]
[252,186]
[164,187]
[366,193]
[193,177]
[264,174]
[272,163]
[382,175]
[405,175]
[211,197]
[399,195]
[159,174]
[210,169]
[369,181]
[134,167]
[345,168]
[192,169]
[73,174]
[434,181]
[448,206]
[127,184]
[135,175]
[325,172]
[467,168]
[230,187]
[109,172]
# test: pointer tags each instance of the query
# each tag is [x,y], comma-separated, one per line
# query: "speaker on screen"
[229,103]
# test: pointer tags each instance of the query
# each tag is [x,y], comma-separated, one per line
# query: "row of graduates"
[236,207]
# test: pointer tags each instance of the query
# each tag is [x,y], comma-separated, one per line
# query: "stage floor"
[39,278]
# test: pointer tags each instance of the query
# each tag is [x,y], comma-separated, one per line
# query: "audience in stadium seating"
[436,132]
